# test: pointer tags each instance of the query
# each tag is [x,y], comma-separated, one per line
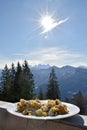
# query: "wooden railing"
[11,122]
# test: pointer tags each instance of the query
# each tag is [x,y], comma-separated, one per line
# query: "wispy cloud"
[54,56]
[52,25]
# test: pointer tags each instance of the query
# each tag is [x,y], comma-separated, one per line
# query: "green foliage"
[53,91]
[28,82]
[5,83]
[80,101]
[17,83]
[41,96]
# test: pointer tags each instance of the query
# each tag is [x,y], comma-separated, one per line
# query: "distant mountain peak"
[41,66]
[67,66]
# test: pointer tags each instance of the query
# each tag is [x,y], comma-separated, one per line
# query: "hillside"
[71,79]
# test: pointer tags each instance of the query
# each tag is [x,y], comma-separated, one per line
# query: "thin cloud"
[62,21]
[53,25]
[54,56]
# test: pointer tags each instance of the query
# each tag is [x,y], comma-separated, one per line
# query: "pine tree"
[17,83]
[80,101]
[40,96]
[5,83]
[28,83]
[12,87]
[53,91]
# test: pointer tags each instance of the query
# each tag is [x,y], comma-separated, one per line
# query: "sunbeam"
[48,23]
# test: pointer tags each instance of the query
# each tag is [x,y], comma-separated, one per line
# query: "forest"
[18,83]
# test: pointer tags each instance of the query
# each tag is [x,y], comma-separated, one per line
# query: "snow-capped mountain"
[40,66]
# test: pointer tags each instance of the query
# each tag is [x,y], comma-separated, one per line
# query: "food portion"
[39,108]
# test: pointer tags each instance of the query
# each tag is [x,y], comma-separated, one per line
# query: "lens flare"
[47,23]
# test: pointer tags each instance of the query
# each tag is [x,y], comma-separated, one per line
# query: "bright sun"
[47,22]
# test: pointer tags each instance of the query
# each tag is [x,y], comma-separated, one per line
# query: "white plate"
[73,110]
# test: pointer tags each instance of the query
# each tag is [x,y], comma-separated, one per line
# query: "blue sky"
[21,38]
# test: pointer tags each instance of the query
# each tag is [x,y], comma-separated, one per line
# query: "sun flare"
[48,22]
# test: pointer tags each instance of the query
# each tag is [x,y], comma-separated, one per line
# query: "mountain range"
[71,79]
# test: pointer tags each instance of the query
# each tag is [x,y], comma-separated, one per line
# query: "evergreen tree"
[40,96]
[80,101]
[28,82]
[53,86]
[5,83]
[13,71]
[17,83]
[12,87]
